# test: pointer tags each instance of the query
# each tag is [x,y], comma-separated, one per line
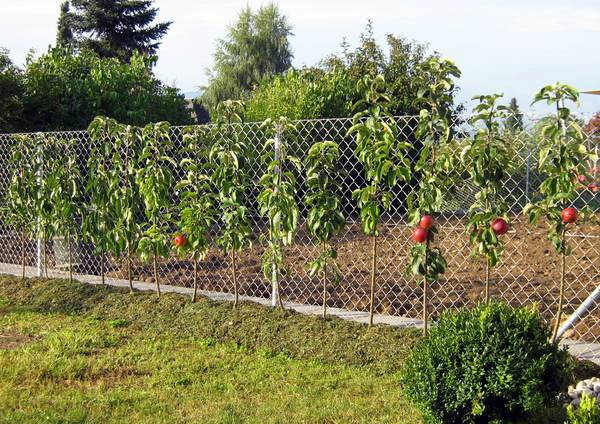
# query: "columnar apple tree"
[325,219]
[277,200]
[384,160]
[486,158]
[562,157]
[229,175]
[197,206]
[103,182]
[434,167]
[41,207]
[155,183]
[64,194]
[18,204]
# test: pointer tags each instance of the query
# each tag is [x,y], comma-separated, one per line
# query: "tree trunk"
[425,290]
[235,284]
[324,285]
[69,247]
[487,282]
[195,279]
[129,268]
[23,249]
[373,266]
[561,295]
[155,265]
[102,268]
[45,258]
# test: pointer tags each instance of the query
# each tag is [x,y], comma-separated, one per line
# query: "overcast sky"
[509,46]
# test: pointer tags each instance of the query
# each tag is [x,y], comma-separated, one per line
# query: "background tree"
[11,92]
[197,206]
[434,168]
[277,200]
[384,160]
[115,28]
[65,91]
[255,47]
[64,32]
[154,180]
[228,156]
[487,160]
[514,120]
[563,157]
[325,219]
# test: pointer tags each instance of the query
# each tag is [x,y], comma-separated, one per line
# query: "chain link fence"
[528,273]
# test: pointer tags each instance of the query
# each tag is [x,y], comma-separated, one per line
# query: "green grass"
[93,354]
[99,355]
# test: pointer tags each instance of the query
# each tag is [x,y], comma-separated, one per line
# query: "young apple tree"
[486,158]
[277,200]
[562,157]
[384,160]
[103,182]
[64,194]
[20,198]
[325,219]
[197,209]
[230,178]
[435,167]
[41,206]
[155,183]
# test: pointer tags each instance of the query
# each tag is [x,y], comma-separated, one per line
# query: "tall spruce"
[64,32]
[115,28]
[255,47]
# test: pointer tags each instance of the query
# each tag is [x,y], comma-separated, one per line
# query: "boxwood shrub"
[493,363]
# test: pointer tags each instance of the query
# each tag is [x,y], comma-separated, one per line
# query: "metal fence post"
[41,266]
[274,270]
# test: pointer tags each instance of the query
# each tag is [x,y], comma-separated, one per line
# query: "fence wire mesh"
[528,273]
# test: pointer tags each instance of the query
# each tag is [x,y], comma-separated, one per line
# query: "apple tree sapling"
[325,219]
[65,194]
[277,200]
[155,183]
[229,175]
[562,156]
[384,159]
[486,158]
[196,208]
[436,167]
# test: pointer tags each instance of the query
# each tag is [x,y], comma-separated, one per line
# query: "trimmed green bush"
[492,363]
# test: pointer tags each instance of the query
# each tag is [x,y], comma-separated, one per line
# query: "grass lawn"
[76,353]
[99,363]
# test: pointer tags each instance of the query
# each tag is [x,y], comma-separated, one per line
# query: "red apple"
[499,226]
[569,215]
[426,222]
[419,235]
[595,188]
[581,178]
[180,240]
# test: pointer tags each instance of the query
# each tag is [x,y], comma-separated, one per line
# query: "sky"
[502,46]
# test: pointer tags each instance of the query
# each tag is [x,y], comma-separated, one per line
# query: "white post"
[274,270]
[579,312]
[41,266]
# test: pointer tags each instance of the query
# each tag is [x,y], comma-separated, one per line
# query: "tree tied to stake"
[436,168]
[325,219]
[383,157]
[562,157]
[486,157]
[227,156]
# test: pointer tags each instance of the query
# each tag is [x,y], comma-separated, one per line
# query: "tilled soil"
[527,275]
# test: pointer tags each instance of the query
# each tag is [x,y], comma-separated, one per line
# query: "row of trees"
[130,174]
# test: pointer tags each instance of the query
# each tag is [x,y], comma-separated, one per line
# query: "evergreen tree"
[255,47]
[11,94]
[514,121]
[116,28]
[64,36]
